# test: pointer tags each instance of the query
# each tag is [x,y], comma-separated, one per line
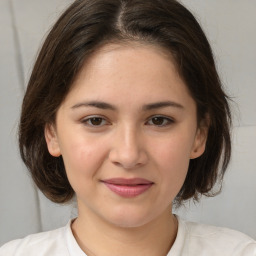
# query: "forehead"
[123,56]
[129,71]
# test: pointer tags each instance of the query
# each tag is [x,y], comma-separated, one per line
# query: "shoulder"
[213,240]
[45,243]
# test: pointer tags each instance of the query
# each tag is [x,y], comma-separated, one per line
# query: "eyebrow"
[96,104]
[162,104]
[147,107]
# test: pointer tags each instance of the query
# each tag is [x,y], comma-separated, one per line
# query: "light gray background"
[231,29]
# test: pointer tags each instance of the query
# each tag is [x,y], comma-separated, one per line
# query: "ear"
[200,139]
[52,140]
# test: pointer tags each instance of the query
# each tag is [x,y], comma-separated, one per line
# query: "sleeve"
[249,250]
[10,248]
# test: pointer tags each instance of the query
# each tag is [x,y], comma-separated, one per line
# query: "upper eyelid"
[162,116]
[150,117]
[93,116]
[87,118]
[107,120]
[169,120]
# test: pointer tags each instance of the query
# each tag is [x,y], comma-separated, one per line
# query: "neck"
[97,237]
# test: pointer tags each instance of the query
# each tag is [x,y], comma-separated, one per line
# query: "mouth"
[128,187]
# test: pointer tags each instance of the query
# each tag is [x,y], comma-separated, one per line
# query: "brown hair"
[82,29]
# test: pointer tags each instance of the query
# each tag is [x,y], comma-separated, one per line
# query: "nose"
[128,149]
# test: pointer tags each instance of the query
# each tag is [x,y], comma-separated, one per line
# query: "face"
[127,131]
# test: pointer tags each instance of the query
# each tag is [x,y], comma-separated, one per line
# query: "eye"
[95,121]
[160,121]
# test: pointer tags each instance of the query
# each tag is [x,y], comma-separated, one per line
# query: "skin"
[125,140]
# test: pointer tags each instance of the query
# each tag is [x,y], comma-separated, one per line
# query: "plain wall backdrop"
[230,26]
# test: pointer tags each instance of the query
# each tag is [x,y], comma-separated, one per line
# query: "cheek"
[82,158]
[172,158]
[173,150]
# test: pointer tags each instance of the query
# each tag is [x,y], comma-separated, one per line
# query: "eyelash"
[88,121]
[167,120]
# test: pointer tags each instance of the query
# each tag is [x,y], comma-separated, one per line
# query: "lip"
[128,187]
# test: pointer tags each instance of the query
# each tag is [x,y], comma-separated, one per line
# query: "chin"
[127,218]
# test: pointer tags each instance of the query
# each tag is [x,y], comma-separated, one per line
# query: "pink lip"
[128,187]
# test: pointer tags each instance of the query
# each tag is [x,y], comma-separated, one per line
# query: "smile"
[128,187]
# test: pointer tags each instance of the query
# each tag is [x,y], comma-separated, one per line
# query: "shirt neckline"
[75,250]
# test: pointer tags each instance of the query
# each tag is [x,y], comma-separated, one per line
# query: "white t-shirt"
[193,239]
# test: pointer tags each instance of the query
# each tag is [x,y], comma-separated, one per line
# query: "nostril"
[116,163]
[127,166]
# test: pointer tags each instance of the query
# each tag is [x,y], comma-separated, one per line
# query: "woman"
[125,111]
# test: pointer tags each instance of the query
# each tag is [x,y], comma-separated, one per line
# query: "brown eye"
[160,121]
[95,121]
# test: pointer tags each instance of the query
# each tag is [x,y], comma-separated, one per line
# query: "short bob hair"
[80,31]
